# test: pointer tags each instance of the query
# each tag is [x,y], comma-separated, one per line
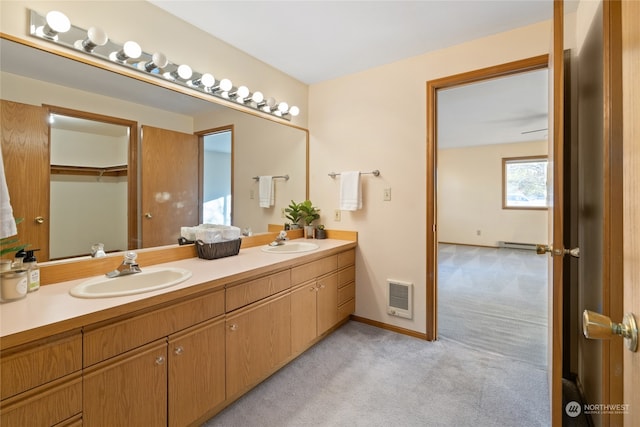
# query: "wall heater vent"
[515,245]
[400,299]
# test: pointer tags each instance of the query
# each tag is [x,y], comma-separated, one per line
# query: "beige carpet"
[494,300]
[365,376]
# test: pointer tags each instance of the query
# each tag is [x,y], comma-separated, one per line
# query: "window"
[524,182]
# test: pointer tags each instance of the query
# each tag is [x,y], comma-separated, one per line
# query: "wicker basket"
[218,250]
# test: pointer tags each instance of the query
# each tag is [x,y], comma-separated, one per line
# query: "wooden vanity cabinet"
[323,296]
[129,389]
[196,371]
[41,382]
[258,339]
[166,366]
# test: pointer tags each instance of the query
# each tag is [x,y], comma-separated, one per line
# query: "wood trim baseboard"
[388,327]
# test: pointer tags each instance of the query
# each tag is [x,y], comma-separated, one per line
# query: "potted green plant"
[321,233]
[9,245]
[310,213]
[293,214]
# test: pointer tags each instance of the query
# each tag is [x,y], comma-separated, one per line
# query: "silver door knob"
[600,327]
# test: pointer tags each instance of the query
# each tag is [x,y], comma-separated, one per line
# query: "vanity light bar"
[95,42]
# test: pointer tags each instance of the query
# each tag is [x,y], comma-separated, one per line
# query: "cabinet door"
[303,316]
[196,372]
[128,390]
[25,151]
[327,302]
[258,342]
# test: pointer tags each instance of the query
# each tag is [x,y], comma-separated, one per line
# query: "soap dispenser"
[33,271]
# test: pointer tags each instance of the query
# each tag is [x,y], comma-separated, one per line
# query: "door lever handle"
[543,249]
[600,327]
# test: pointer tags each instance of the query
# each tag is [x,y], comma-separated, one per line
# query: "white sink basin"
[291,248]
[151,279]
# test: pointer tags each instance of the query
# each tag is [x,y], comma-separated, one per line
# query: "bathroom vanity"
[175,356]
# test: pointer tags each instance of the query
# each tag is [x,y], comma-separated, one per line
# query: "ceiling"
[314,41]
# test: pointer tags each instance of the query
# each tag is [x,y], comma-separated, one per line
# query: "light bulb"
[56,22]
[130,49]
[243,92]
[271,102]
[283,107]
[184,72]
[226,85]
[158,60]
[294,111]
[206,80]
[95,37]
[257,97]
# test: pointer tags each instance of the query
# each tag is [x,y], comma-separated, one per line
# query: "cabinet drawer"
[347,258]
[46,405]
[346,309]
[99,343]
[314,269]
[346,275]
[255,290]
[346,293]
[39,362]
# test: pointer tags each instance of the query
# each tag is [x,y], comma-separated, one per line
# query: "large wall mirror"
[257,146]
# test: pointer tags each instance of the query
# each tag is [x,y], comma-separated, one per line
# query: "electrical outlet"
[337,215]
[252,194]
[282,213]
[387,194]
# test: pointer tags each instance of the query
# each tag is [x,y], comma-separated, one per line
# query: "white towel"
[7,222]
[266,192]
[350,191]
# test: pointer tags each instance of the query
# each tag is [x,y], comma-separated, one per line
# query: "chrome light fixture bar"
[56,28]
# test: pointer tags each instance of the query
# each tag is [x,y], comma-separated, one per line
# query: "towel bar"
[374,173]
[285,177]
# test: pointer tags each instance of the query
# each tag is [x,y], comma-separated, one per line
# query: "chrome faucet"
[97,251]
[280,238]
[128,266]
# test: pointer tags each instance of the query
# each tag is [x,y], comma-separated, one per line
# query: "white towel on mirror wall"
[266,192]
[7,222]
[350,191]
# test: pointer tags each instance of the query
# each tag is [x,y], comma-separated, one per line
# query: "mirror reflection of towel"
[7,222]
[350,191]
[266,192]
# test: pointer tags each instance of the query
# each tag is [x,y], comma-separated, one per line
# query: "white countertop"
[53,304]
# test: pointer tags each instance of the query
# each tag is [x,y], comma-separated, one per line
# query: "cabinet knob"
[39,219]
[322,286]
[233,327]
[160,360]
[313,288]
[179,350]
[148,215]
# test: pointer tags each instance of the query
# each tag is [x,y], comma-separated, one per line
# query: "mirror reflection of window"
[216,190]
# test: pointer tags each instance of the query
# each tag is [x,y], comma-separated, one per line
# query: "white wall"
[376,119]
[470,197]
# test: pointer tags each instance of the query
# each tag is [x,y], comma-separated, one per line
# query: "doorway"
[531,64]
[216,180]
[492,195]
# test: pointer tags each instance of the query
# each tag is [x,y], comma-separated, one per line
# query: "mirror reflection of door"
[216,177]
[88,185]
[169,181]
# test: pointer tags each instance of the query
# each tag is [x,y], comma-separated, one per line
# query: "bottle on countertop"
[18,259]
[33,271]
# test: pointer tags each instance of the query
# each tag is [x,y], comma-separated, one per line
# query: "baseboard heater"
[516,245]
